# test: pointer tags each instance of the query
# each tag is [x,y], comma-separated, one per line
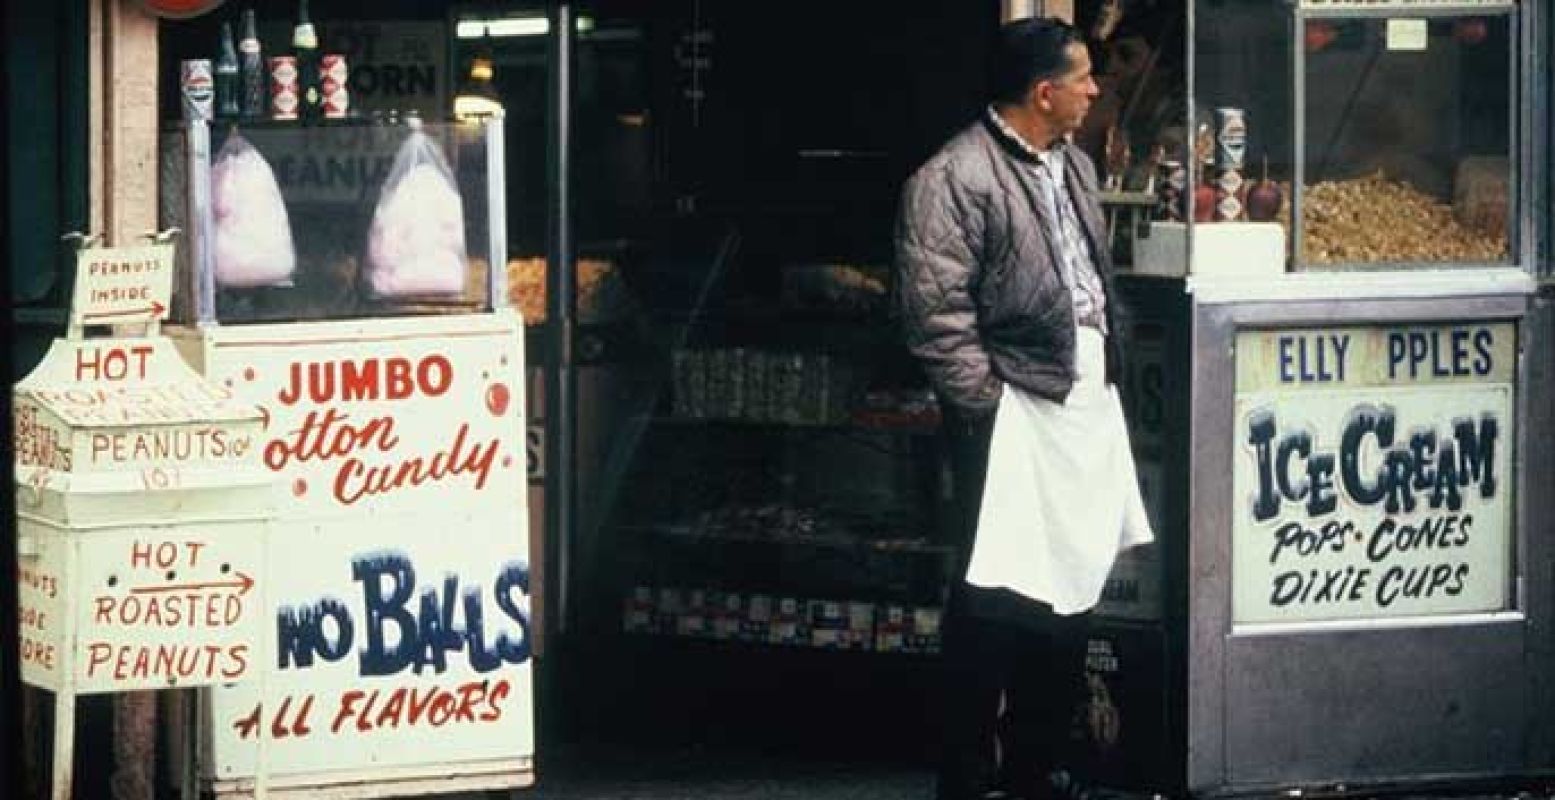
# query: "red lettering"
[277,730]
[498,694]
[166,553]
[362,723]
[398,377]
[104,613]
[238,655]
[329,436]
[194,551]
[442,709]
[359,380]
[434,375]
[144,351]
[114,366]
[94,366]
[356,480]
[348,701]
[140,555]
[469,694]
[245,725]
[394,710]
[300,727]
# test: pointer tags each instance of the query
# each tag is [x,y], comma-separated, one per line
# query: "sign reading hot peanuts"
[160,611]
[1372,473]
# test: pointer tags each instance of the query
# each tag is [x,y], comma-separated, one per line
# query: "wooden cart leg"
[64,744]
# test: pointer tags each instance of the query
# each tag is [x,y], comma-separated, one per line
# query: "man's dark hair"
[1026,51]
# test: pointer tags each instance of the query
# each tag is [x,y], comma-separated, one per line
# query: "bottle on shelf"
[226,74]
[251,67]
[305,47]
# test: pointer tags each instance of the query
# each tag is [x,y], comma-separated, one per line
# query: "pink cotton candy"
[416,243]
[253,236]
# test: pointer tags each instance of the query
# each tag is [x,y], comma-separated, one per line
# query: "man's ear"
[1040,96]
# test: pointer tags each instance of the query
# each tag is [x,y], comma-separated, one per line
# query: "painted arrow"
[242,584]
[155,309]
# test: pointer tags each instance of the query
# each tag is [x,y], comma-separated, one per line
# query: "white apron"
[1061,497]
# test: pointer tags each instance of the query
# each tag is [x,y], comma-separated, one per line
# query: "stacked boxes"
[761,386]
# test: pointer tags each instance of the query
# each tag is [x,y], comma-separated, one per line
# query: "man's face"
[1066,99]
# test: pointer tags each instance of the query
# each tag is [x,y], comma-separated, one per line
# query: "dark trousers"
[1000,651]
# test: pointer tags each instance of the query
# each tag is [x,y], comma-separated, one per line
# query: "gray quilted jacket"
[981,300]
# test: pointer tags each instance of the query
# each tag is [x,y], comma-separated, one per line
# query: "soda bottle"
[305,46]
[251,66]
[226,69]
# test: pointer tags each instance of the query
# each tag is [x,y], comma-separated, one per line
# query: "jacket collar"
[1012,141]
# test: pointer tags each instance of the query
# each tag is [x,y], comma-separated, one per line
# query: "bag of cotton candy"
[253,236]
[415,245]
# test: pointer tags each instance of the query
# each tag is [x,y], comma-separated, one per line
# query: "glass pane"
[1239,155]
[1134,132]
[756,449]
[1408,140]
[343,220]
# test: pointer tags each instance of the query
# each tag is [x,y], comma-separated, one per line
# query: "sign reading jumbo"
[1372,473]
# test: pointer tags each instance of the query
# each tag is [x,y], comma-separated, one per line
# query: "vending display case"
[1331,135]
[338,278]
[1406,134]
[1343,261]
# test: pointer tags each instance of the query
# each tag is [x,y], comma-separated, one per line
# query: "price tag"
[1407,35]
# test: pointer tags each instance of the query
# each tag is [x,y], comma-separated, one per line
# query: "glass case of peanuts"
[1377,134]
[1408,136]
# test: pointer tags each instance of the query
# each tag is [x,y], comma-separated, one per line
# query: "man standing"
[1005,297]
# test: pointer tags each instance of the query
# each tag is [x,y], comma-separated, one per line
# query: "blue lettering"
[1286,360]
[514,576]
[424,629]
[385,605]
[1483,341]
[300,633]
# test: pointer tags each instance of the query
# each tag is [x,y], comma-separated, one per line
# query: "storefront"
[1331,222]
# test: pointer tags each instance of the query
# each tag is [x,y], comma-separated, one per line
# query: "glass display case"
[380,218]
[1329,135]
[1405,133]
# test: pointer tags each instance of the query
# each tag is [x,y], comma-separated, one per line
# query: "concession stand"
[361,320]
[1330,222]
[1340,322]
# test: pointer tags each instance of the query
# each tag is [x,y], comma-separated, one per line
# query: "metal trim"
[496,214]
[201,221]
[1260,630]
[1406,284]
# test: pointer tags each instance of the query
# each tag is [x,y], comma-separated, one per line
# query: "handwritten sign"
[140,512]
[159,610]
[1373,472]
[403,638]
[41,612]
[122,284]
[383,425]
[113,382]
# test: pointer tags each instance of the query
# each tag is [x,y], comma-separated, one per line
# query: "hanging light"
[477,97]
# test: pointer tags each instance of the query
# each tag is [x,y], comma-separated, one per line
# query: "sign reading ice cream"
[1372,473]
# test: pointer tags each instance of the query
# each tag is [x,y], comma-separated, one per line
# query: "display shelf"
[840,541]
[788,620]
[708,645]
[853,424]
